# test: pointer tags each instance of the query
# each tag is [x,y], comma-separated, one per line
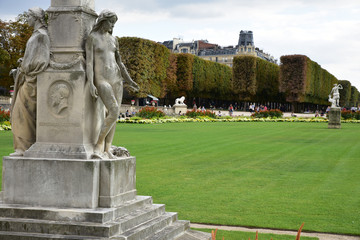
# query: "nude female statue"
[105,73]
[36,59]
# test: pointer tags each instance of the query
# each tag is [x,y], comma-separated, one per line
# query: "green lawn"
[270,175]
[235,235]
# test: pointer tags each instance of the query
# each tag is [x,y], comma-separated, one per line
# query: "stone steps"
[138,219]
[147,229]
[37,236]
[99,215]
[108,229]
[171,231]
[194,235]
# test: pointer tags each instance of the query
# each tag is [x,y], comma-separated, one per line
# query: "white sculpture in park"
[36,59]
[335,95]
[180,101]
[105,73]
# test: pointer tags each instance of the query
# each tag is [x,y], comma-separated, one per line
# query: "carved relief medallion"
[60,98]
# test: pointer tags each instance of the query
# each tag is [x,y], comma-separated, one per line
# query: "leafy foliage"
[354,98]
[303,80]
[13,38]
[4,115]
[198,113]
[211,79]
[255,79]
[147,63]
[345,93]
[184,73]
[273,113]
[347,114]
[150,112]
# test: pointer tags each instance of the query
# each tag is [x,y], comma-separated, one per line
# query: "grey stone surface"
[73,3]
[35,61]
[66,125]
[117,181]
[335,95]
[55,182]
[144,221]
[334,118]
[105,73]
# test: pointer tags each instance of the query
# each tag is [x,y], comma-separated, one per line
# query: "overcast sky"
[327,31]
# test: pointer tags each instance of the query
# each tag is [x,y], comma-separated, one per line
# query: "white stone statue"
[335,95]
[105,73]
[180,101]
[36,59]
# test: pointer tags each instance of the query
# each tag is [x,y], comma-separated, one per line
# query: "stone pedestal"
[55,182]
[55,191]
[117,182]
[68,118]
[180,109]
[334,118]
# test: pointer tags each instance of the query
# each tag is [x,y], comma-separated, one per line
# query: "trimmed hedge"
[211,79]
[147,63]
[303,80]
[255,79]
[354,98]
[345,93]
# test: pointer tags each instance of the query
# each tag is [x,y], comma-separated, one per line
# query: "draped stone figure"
[36,60]
[336,95]
[105,73]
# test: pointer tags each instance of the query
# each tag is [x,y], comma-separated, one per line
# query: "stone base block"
[334,118]
[55,182]
[180,109]
[59,151]
[117,181]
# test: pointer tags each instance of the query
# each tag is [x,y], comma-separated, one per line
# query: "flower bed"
[240,119]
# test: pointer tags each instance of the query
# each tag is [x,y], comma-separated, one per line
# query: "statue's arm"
[124,72]
[89,49]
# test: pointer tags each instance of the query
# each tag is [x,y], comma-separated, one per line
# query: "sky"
[327,31]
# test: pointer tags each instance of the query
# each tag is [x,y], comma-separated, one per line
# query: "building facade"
[216,53]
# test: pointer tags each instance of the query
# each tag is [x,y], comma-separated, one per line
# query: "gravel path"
[321,236]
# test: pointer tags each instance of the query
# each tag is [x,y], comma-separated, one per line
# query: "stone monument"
[55,188]
[180,107]
[335,110]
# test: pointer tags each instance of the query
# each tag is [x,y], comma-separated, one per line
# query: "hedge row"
[255,79]
[303,80]
[166,75]
[147,64]
[162,73]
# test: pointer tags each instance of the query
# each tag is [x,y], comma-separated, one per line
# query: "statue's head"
[106,19]
[37,14]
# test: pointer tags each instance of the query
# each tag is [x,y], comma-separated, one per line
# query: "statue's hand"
[93,91]
[135,87]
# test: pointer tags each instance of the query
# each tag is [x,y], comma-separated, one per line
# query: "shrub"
[273,113]
[347,114]
[198,113]
[150,112]
[4,115]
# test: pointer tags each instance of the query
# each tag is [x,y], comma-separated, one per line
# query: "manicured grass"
[233,235]
[269,175]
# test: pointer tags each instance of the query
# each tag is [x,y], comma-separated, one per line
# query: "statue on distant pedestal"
[105,73]
[36,59]
[335,95]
